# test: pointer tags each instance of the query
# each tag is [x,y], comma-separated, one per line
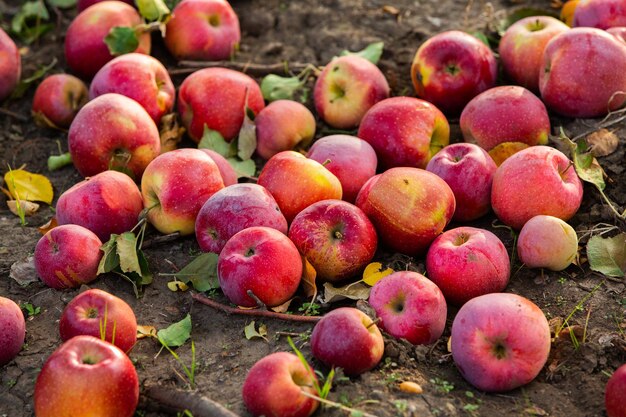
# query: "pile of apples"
[397,184]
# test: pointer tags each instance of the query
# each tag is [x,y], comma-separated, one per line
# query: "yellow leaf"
[177,286]
[502,151]
[24,185]
[374,272]
[410,387]
[146,331]
[308,278]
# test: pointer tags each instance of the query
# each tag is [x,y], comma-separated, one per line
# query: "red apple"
[547,242]
[405,131]
[601,14]
[409,306]
[614,393]
[500,341]
[12,330]
[58,99]
[619,32]
[87,377]
[261,260]
[228,173]
[10,65]
[83,4]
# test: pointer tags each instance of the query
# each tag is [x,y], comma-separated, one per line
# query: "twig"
[187,67]
[255,312]
[160,239]
[13,114]
[175,401]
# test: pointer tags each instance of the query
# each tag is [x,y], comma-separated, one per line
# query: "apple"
[468,170]
[619,32]
[452,67]
[261,260]
[12,330]
[83,4]
[522,45]
[297,182]
[87,377]
[409,306]
[346,89]
[536,180]
[547,242]
[233,209]
[409,208]
[273,387]
[467,262]
[217,97]
[281,126]
[100,314]
[10,65]
[113,132]
[203,30]
[140,77]
[500,341]
[614,393]
[347,338]
[336,237]
[404,131]
[229,176]
[58,99]
[107,203]
[85,50]
[351,159]
[591,88]
[601,14]
[174,187]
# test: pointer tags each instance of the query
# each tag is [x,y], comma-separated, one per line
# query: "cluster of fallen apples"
[330,206]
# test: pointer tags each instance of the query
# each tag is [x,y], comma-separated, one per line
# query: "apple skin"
[87,377]
[174,187]
[547,242]
[346,89]
[216,97]
[522,45]
[410,306]
[336,237]
[85,50]
[347,338]
[229,176]
[140,77]
[283,125]
[351,159]
[452,67]
[262,260]
[601,14]
[58,99]
[590,89]
[467,262]
[505,114]
[233,209]
[113,132]
[274,384]
[468,170]
[10,65]
[83,4]
[614,393]
[203,30]
[297,182]
[536,180]
[619,32]
[87,312]
[12,330]
[404,131]
[409,208]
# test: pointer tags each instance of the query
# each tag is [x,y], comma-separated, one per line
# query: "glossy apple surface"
[58,99]
[601,14]
[10,65]
[614,393]
[12,330]
[83,4]
[547,242]
[229,176]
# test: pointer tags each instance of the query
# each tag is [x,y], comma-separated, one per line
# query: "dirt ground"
[571,384]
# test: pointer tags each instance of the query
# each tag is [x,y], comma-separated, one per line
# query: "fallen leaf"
[127,251]
[153,10]
[308,279]
[608,255]
[246,141]
[274,87]
[28,208]
[283,307]
[555,324]
[121,40]
[170,132]
[535,411]
[502,151]
[24,185]
[23,271]
[449,345]
[212,139]
[245,168]
[355,291]
[251,332]
[177,286]
[410,387]
[602,142]
[374,272]
[146,331]
[201,272]
[391,10]
[177,333]
[51,224]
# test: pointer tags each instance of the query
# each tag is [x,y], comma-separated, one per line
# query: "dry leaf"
[177,286]
[171,132]
[374,272]
[410,387]
[554,324]
[45,228]
[146,331]
[355,291]
[391,10]
[27,207]
[449,345]
[308,278]
[251,332]
[23,271]
[602,142]
[502,151]
[283,307]
[535,411]
[24,185]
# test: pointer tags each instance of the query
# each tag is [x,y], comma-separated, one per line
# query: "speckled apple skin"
[547,242]
[601,14]
[10,65]
[59,97]
[229,176]
[12,330]
[614,393]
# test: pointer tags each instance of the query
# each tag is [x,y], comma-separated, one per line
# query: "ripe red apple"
[233,209]
[467,262]
[274,385]
[98,313]
[505,114]
[452,67]
[614,393]
[83,4]
[203,30]
[346,89]
[409,207]
[547,242]
[58,99]
[140,77]
[619,32]
[12,330]
[229,176]
[113,132]
[10,65]
[347,338]
[410,306]
[351,159]
[174,187]
[85,50]
[601,14]
[262,260]
[536,180]
[500,341]
[87,377]
[468,170]
[216,97]
[336,237]
[109,202]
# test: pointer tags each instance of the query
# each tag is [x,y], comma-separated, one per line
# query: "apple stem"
[376,321]
[334,404]
[260,304]
[571,164]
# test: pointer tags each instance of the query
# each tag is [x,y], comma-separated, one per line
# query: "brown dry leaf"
[502,151]
[308,278]
[171,132]
[410,387]
[394,11]
[602,142]
[51,224]
[355,291]
[27,207]
[577,330]
[449,345]
[535,411]
[554,324]
[144,331]
[283,307]
[23,271]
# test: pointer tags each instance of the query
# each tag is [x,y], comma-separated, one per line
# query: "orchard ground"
[572,382]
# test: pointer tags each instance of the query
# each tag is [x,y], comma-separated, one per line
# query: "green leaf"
[127,251]
[176,334]
[245,168]
[121,40]
[481,37]
[146,274]
[608,255]
[212,139]
[372,52]
[246,143]
[110,260]
[25,83]
[585,164]
[63,4]
[28,22]
[201,272]
[153,10]
[275,87]
[251,332]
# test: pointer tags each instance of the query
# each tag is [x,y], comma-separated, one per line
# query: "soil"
[572,382]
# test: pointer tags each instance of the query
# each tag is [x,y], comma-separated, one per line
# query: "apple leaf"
[127,251]
[46,227]
[170,132]
[251,332]
[212,139]
[245,168]
[144,331]
[587,167]
[177,286]
[355,291]
[63,4]
[201,272]
[608,255]
[246,143]
[25,83]
[274,87]
[121,40]
[176,334]
[28,22]
[24,185]
[372,52]
[602,142]
[153,10]
[22,208]
[374,272]
[110,260]
[24,272]
[123,257]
